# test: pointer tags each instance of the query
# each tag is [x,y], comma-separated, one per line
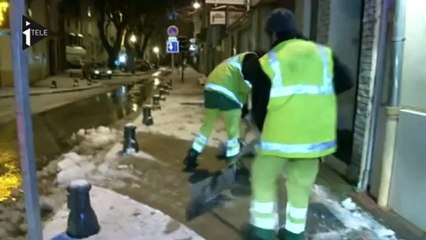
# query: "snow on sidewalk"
[94,158]
[181,114]
[123,218]
[352,216]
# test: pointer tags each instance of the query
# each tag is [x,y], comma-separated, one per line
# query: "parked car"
[100,71]
[143,65]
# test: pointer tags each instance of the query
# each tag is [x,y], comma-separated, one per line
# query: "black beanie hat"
[280,20]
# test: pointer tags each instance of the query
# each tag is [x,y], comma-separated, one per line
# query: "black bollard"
[162,94]
[53,84]
[130,145]
[82,220]
[169,86]
[76,83]
[147,117]
[156,102]
[163,91]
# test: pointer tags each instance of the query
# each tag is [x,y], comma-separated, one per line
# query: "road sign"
[172,46]
[172,31]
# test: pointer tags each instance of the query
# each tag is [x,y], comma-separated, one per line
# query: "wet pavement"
[52,128]
[161,184]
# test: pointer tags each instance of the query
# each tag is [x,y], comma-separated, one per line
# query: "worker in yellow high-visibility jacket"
[225,93]
[294,89]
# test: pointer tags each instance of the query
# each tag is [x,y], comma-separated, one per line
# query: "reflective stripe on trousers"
[264,215]
[232,147]
[295,219]
[221,89]
[199,143]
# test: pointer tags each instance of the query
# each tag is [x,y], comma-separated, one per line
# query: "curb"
[10,95]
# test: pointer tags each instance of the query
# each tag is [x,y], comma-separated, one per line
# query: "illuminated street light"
[133,38]
[196,5]
[156,50]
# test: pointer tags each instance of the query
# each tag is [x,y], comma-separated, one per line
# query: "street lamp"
[196,5]
[132,38]
[156,50]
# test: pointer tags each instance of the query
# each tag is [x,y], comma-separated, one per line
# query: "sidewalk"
[154,177]
[123,218]
[65,83]
[332,214]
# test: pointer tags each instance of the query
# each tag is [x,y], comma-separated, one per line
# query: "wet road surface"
[52,129]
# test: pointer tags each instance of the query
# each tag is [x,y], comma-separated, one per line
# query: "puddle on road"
[52,129]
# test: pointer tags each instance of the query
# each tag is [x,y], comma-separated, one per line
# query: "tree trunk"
[145,43]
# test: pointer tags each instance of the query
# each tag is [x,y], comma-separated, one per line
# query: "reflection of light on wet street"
[156,74]
[10,177]
[134,107]
[156,81]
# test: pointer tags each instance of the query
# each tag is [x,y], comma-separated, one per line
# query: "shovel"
[203,192]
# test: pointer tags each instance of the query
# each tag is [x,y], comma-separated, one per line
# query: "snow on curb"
[352,216]
[72,166]
[123,218]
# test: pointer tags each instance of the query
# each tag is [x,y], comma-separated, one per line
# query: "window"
[4,15]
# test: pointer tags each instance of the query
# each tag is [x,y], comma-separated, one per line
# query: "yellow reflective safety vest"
[228,80]
[301,120]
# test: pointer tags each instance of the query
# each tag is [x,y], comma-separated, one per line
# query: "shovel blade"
[203,192]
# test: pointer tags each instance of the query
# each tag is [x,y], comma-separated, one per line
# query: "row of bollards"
[163,90]
[54,83]
[82,219]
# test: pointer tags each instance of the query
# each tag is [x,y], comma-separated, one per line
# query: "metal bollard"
[147,117]
[130,145]
[156,102]
[76,83]
[82,220]
[54,84]
[169,86]
[166,90]
[162,94]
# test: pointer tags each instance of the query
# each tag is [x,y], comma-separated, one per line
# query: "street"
[113,113]
[154,176]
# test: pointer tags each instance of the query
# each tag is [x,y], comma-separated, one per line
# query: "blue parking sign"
[172,46]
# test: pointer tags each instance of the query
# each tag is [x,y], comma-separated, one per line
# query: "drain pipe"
[392,110]
[364,178]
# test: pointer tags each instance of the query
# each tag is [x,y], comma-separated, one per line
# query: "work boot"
[190,161]
[255,233]
[284,234]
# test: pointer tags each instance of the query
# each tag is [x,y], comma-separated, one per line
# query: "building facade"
[81,33]
[381,135]
[45,56]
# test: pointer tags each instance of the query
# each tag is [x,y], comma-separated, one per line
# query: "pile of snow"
[123,218]
[96,138]
[73,166]
[352,216]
